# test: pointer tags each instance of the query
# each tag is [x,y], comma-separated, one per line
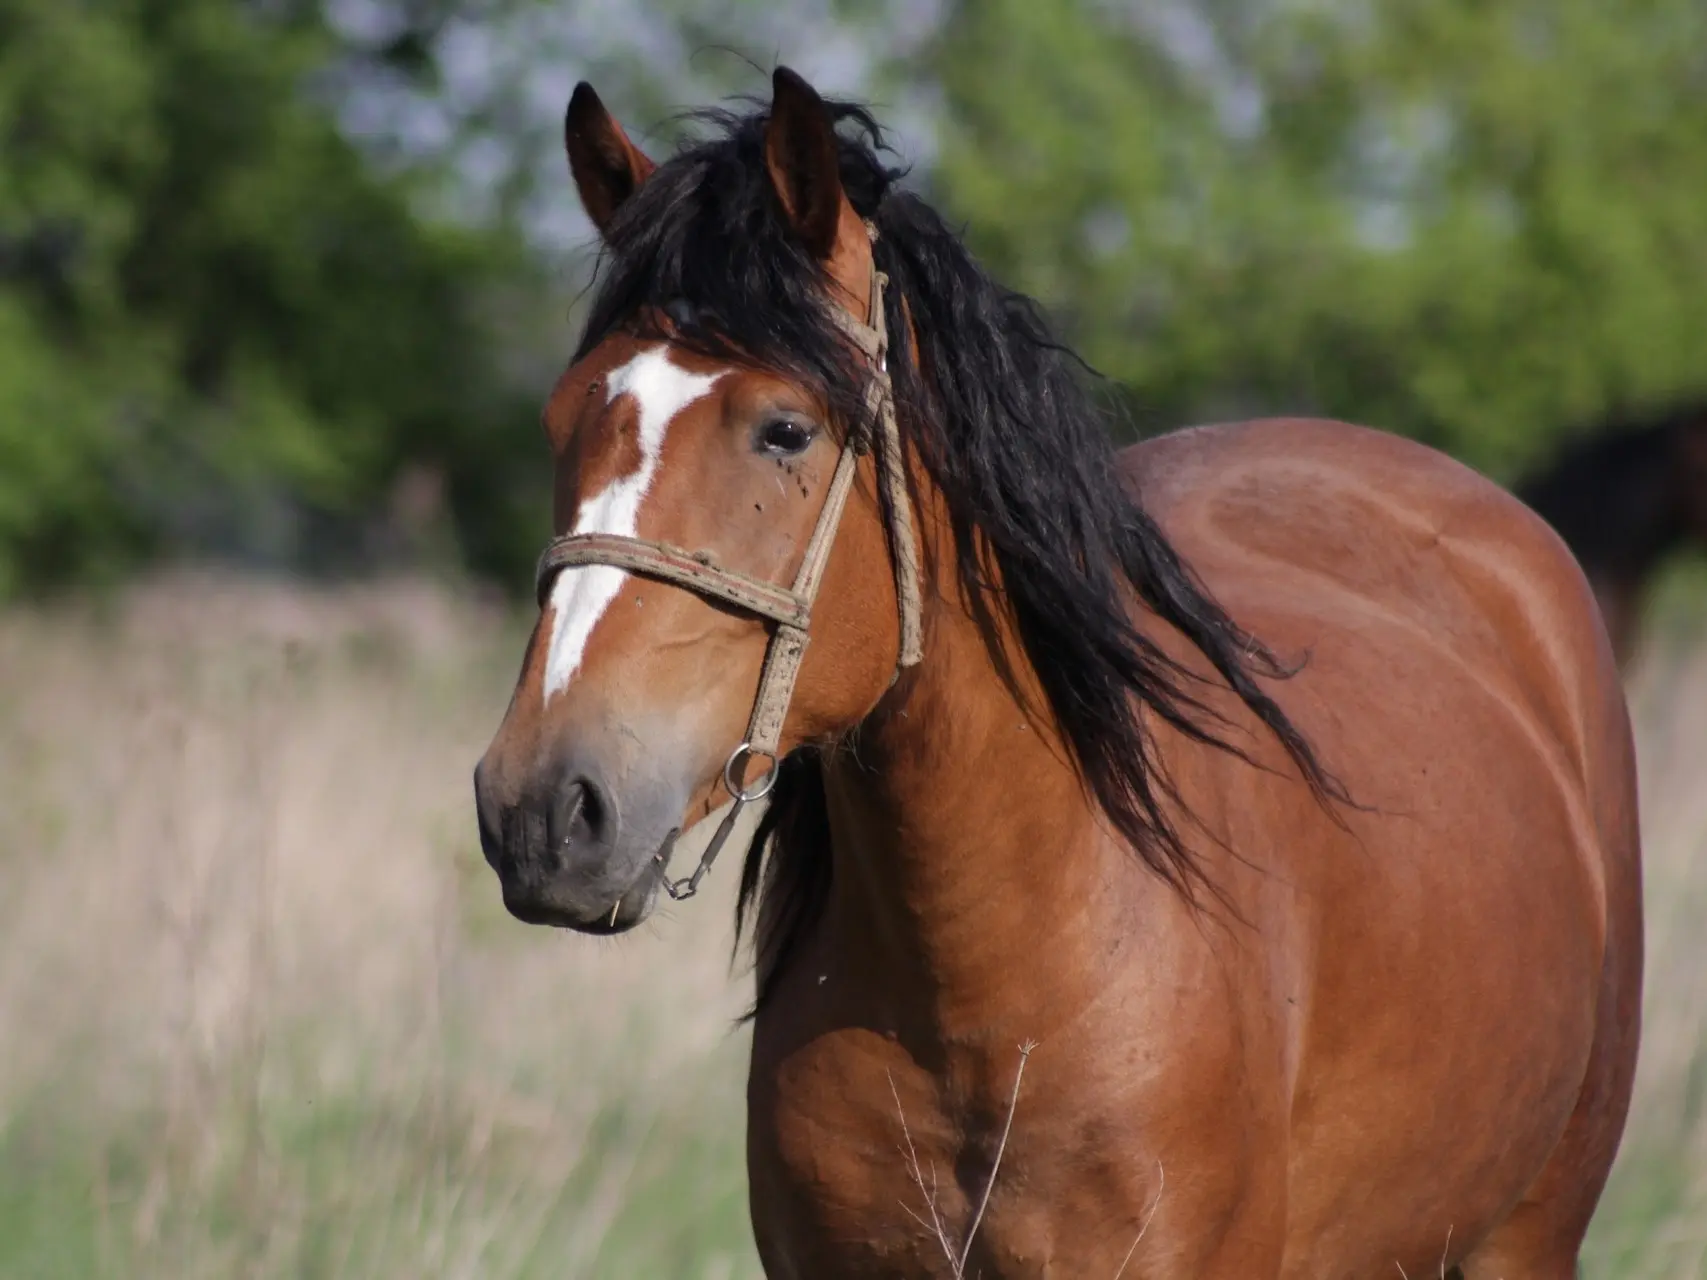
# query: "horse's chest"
[863,1164]
[891,1207]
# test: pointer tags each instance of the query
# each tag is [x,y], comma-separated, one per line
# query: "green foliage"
[226,326]
[1475,223]
[220,327]
[365,1184]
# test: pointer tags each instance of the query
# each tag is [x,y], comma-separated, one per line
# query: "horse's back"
[1366,552]
[1478,918]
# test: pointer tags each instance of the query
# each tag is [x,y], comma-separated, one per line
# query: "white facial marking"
[582,593]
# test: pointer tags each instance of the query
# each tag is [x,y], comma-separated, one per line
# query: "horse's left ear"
[802,157]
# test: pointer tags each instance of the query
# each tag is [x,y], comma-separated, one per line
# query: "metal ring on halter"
[682,890]
[731,779]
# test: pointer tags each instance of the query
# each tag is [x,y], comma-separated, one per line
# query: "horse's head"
[640,678]
[732,477]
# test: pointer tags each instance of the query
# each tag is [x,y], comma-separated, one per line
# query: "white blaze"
[582,593]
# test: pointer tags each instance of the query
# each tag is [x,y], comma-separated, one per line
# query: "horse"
[1625,495]
[1213,859]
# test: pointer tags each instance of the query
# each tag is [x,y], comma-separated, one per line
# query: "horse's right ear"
[801,155]
[607,167]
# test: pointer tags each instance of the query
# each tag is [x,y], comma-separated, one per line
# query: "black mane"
[1614,493]
[1046,532]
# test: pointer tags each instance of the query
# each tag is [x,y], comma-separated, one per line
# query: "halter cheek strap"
[790,608]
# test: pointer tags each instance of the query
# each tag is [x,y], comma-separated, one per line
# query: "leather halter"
[790,608]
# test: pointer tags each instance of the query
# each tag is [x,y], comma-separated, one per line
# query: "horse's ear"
[607,167]
[802,157]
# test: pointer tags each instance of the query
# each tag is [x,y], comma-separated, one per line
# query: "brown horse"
[1624,496]
[1094,939]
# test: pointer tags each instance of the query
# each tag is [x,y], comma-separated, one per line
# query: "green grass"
[365,1186]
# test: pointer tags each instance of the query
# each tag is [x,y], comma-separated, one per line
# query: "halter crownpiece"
[790,608]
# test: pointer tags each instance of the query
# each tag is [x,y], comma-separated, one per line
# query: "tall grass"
[262,1015]
[1652,1223]
[260,1012]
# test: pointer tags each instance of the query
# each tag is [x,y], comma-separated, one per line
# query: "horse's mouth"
[537,905]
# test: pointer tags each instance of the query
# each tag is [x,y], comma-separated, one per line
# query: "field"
[262,1015]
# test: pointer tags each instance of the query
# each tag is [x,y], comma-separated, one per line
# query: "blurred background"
[283,284]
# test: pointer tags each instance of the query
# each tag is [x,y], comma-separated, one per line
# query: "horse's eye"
[783,437]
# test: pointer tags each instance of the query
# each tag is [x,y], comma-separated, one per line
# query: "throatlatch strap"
[892,472]
[873,340]
[890,463]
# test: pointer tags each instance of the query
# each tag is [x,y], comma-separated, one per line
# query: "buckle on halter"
[683,889]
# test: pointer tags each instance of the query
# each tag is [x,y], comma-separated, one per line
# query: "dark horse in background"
[1624,496]
[1212,860]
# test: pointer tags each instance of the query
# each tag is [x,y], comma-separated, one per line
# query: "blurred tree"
[482,84]
[220,327]
[1475,221]
[274,271]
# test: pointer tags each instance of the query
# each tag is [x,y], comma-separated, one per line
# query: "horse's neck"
[966,851]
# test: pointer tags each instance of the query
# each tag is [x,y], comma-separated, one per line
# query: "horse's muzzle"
[561,856]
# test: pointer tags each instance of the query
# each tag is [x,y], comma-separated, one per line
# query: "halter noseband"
[789,607]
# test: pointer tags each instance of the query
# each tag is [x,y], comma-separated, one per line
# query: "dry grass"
[260,1010]
[1653,1220]
[261,1015]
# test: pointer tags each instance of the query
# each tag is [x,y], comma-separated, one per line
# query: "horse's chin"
[632,907]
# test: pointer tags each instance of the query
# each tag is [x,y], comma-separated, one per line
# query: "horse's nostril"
[566,809]
[579,815]
[592,809]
